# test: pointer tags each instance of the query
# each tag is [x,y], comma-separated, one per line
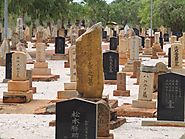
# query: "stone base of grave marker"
[128,111]
[59,57]
[110,137]
[110,82]
[67,94]
[144,104]
[147,51]
[164,123]
[157,47]
[129,67]
[41,72]
[69,91]
[123,59]
[18,92]
[178,71]
[121,93]
[45,77]
[70,86]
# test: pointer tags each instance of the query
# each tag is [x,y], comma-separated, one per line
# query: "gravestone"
[169,57]
[146,84]
[59,45]
[72,62]
[103,119]
[104,35]
[136,31]
[78,121]
[113,43]
[142,41]
[89,62]
[176,56]
[8,74]
[121,85]
[161,40]
[147,48]
[110,65]
[171,97]
[173,39]
[166,37]
[19,87]
[19,66]
[135,43]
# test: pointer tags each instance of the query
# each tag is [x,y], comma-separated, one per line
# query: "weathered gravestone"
[76,119]
[171,97]
[59,45]
[146,84]
[89,62]
[176,56]
[113,43]
[104,35]
[166,37]
[110,65]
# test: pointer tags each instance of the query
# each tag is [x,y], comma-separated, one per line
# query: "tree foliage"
[169,13]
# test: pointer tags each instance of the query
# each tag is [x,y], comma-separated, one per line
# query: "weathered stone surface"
[146,86]
[176,56]
[40,52]
[89,62]
[103,119]
[72,62]
[173,39]
[19,66]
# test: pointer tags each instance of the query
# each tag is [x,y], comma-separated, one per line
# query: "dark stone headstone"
[142,41]
[65,32]
[0,37]
[113,43]
[104,35]
[114,33]
[136,31]
[171,97]
[59,45]
[166,37]
[161,40]
[76,119]
[178,34]
[110,65]
[8,68]
[169,57]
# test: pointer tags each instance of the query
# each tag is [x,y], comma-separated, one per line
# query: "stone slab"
[17,98]
[40,65]
[111,82]
[127,110]
[41,71]
[18,85]
[45,77]
[144,104]
[59,57]
[121,93]
[163,123]
[67,94]
[110,137]
[113,103]
[117,123]
[70,86]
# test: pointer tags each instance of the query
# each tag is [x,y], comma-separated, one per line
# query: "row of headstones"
[83,119]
